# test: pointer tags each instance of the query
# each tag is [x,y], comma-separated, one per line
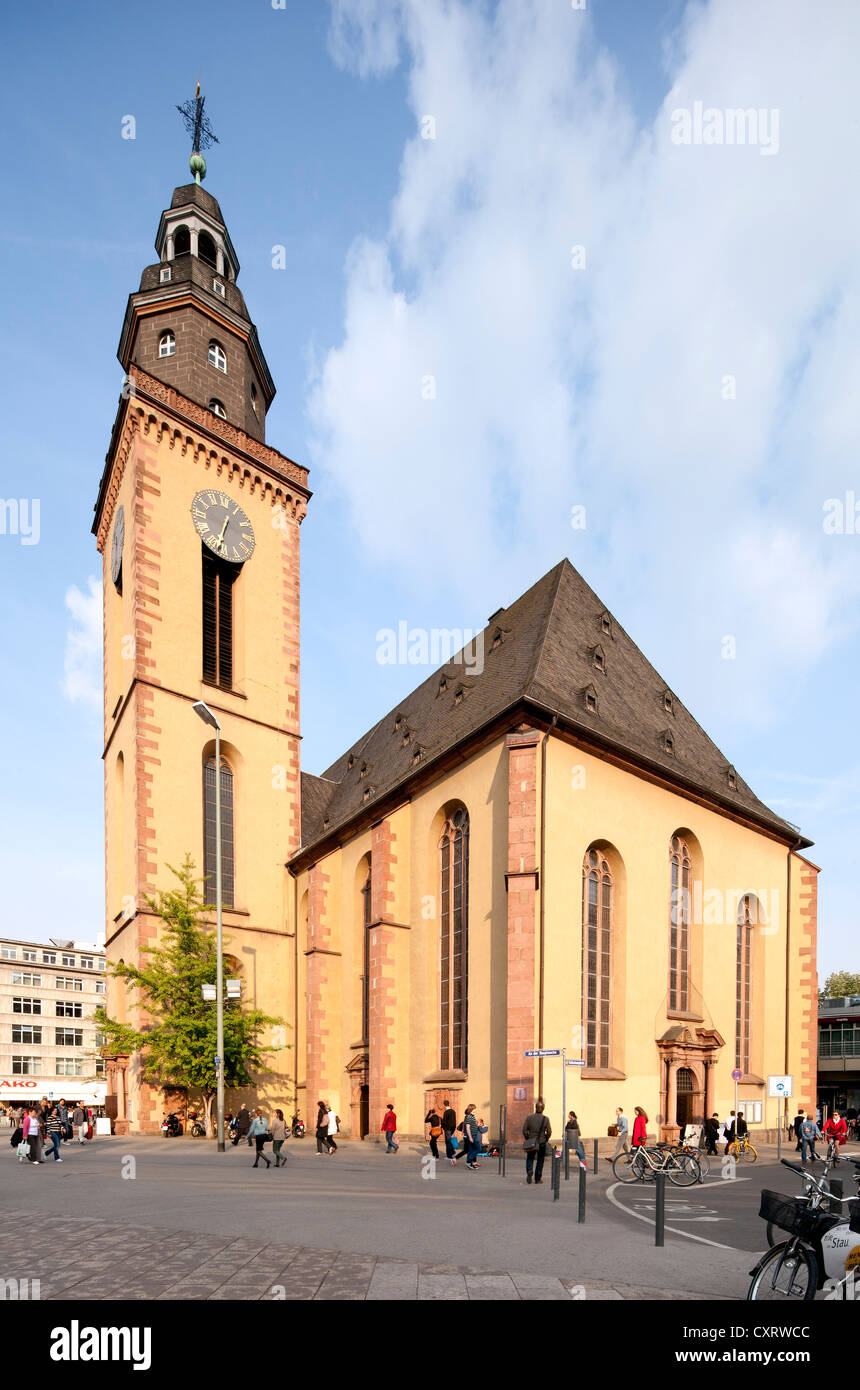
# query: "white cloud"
[82,678]
[605,385]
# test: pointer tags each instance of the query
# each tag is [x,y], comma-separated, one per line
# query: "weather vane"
[201,132]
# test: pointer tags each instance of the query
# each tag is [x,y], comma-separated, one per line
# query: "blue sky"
[691,385]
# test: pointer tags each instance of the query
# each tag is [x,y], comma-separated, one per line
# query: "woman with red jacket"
[640,1126]
[836,1128]
[389,1128]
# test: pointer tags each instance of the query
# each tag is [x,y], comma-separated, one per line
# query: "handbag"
[612,1131]
[268,1137]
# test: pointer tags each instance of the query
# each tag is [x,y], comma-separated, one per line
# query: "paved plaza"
[150,1218]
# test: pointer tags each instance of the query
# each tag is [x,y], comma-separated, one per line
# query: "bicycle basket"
[791,1214]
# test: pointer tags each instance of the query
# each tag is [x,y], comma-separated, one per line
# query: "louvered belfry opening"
[218,580]
[210,832]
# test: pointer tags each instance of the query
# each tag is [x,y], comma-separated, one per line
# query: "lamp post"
[204,712]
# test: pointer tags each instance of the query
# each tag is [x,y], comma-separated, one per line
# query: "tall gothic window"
[743,990]
[596,957]
[218,580]
[679,926]
[454,927]
[365,978]
[210,832]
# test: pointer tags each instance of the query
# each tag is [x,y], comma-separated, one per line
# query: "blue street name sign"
[544,1052]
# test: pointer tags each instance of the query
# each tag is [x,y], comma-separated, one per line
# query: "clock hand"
[223,529]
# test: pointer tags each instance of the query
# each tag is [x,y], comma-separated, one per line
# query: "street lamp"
[204,712]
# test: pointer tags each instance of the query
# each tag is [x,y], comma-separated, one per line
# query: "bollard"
[594,1165]
[566,1159]
[580,1216]
[503,1134]
[556,1174]
[836,1190]
[660,1218]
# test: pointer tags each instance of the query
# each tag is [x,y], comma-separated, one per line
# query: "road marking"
[703,1240]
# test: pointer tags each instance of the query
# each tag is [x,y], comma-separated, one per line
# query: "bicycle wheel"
[625,1167]
[704,1163]
[788,1271]
[684,1170]
[750,1154]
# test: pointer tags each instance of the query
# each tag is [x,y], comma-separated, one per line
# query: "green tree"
[177,1041]
[840,984]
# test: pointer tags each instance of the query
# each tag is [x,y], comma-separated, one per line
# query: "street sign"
[544,1052]
[781,1086]
[575,1062]
[737,1075]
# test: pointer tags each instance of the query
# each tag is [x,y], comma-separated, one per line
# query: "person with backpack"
[434,1120]
[809,1132]
[536,1135]
[333,1125]
[389,1129]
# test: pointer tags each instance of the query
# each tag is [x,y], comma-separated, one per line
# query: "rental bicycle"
[821,1245]
[743,1149]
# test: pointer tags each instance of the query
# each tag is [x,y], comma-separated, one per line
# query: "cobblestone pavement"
[79,1259]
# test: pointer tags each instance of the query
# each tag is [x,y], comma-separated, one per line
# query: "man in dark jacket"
[536,1134]
[798,1121]
[449,1124]
[712,1129]
[243,1123]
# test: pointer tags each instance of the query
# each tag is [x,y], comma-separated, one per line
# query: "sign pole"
[563,1094]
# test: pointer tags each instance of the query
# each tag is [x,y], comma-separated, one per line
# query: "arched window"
[596,957]
[217,356]
[747,915]
[365,976]
[206,249]
[454,941]
[166,344]
[254,397]
[217,408]
[680,866]
[210,832]
[182,242]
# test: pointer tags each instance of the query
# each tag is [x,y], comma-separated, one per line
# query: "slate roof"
[556,650]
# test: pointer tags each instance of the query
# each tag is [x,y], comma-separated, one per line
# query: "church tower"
[197,521]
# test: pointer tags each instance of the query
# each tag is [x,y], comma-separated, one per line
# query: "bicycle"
[820,1244]
[643,1164]
[816,1195]
[743,1149]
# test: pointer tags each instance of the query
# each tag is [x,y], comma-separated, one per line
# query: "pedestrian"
[536,1135]
[259,1133]
[434,1120]
[730,1131]
[741,1126]
[333,1123]
[712,1131]
[243,1124]
[809,1132]
[389,1129]
[573,1137]
[622,1129]
[471,1137]
[279,1134]
[797,1125]
[322,1127]
[640,1127]
[53,1131]
[78,1118]
[836,1128]
[483,1141]
[449,1124]
[32,1136]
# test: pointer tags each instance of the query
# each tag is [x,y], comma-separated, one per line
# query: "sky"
[539,300]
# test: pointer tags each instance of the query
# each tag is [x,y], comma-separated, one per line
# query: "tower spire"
[201,132]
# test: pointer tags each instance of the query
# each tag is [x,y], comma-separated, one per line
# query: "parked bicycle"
[816,1196]
[643,1164]
[821,1244]
[743,1149]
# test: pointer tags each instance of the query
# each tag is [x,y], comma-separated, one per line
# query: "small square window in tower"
[218,580]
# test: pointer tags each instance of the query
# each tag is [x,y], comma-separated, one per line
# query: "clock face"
[116,545]
[223,526]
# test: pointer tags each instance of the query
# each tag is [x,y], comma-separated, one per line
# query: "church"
[538,850]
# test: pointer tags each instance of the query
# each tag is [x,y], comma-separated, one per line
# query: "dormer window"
[165,274]
[416,756]
[350,763]
[217,409]
[667,740]
[218,287]
[405,737]
[362,770]
[732,779]
[668,702]
[497,639]
[590,699]
[598,659]
[366,793]
[397,722]
[443,685]
[217,356]
[606,624]
[166,345]
[206,250]
[458,694]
